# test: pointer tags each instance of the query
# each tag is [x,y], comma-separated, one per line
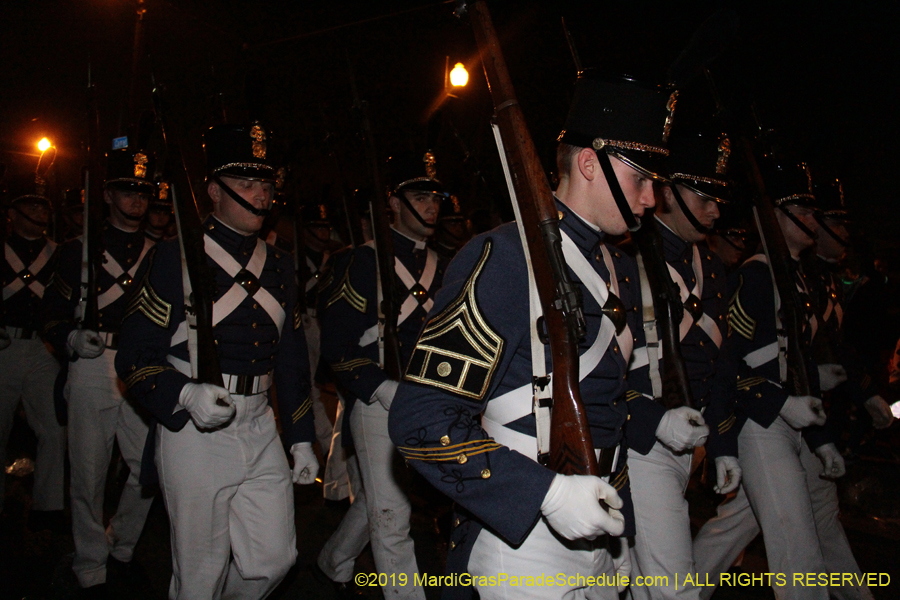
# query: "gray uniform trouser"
[782,493]
[231,505]
[380,510]
[27,373]
[99,415]
[662,544]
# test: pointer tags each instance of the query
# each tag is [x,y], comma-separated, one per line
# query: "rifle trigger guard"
[541,382]
[542,331]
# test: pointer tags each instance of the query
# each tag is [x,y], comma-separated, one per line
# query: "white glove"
[880,411]
[831,376]
[803,411]
[306,465]
[832,460]
[621,555]
[202,400]
[85,343]
[682,428]
[385,393]
[4,339]
[572,509]
[728,474]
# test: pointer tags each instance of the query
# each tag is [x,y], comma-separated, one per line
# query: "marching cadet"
[349,315]
[730,239]
[463,416]
[159,214]
[452,231]
[223,471]
[782,445]
[315,246]
[661,442]
[832,242]
[28,369]
[98,412]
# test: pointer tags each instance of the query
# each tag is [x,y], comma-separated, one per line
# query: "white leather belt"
[21,333]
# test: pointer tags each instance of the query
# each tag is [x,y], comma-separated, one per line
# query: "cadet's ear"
[394,203]
[108,196]
[587,163]
[215,193]
[667,197]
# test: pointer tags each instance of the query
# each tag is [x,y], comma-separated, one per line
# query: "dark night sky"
[821,73]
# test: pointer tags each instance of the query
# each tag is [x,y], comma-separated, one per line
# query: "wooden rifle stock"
[193,254]
[92,244]
[571,445]
[384,244]
[668,310]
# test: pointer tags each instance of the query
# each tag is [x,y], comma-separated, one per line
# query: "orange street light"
[44,144]
[459,77]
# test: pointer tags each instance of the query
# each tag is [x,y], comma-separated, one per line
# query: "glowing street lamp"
[459,77]
[44,144]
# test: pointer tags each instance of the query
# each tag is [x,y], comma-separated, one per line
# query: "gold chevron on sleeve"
[301,410]
[345,290]
[727,424]
[142,374]
[148,302]
[59,284]
[458,351]
[458,453]
[349,365]
[621,479]
[298,316]
[632,394]
[738,319]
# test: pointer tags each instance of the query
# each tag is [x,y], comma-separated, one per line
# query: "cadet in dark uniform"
[380,510]
[463,416]
[222,468]
[28,369]
[781,435]
[315,248]
[832,242]
[661,442]
[98,412]
[452,230]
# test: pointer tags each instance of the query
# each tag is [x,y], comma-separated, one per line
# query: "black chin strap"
[728,241]
[630,220]
[29,219]
[687,212]
[831,232]
[415,213]
[131,218]
[797,222]
[259,212]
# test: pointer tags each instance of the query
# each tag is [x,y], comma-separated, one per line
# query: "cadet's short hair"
[565,154]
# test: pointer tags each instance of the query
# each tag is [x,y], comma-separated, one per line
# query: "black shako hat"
[27,186]
[414,171]
[787,182]
[131,171]
[623,117]
[163,198]
[699,161]
[451,210]
[239,151]
[316,215]
[830,200]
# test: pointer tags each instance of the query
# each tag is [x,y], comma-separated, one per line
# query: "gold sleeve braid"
[59,284]
[458,453]
[142,374]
